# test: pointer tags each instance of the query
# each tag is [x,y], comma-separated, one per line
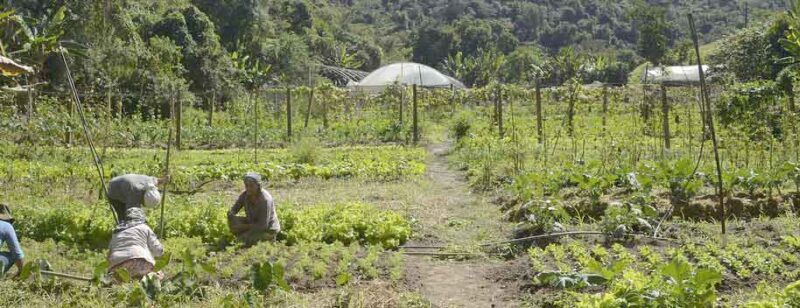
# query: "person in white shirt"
[134,246]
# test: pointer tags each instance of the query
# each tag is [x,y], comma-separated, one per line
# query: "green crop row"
[192,167]
[89,226]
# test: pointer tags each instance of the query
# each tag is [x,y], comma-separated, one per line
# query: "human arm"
[15,248]
[154,245]
[237,206]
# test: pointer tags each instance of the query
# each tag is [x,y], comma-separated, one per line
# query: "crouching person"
[260,221]
[8,235]
[134,246]
[133,190]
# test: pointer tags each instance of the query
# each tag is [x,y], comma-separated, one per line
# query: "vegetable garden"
[600,165]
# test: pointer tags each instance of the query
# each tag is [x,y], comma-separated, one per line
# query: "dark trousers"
[7,260]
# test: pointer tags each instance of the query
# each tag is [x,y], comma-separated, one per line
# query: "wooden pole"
[288,114]
[499,104]
[164,195]
[120,112]
[415,115]
[571,113]
[665,116]
[746,14]
[71,116]
[255,130]
[402,101]
[325,114]
[178,121]
[710,123]
[308,108]
[108,102]
[605,106]
[211,104]
[539,128]
[30,103]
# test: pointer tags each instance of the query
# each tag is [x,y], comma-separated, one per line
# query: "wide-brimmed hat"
[5,213]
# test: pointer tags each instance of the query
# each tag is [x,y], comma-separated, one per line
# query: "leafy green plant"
[267,277]
[620,219]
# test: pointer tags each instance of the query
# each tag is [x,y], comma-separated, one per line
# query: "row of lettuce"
[90,226]
[189,169]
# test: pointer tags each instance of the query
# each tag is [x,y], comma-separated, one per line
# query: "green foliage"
[753,109]
[78,224]
[676,283]
[620,219]
[267,277]
[683,182]
[652,43]
[754,53]
[461,124]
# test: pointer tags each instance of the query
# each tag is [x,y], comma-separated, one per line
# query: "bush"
[461,125]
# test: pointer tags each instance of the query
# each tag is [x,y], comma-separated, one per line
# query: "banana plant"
[37,40]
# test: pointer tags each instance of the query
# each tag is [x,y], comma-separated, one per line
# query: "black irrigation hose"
[549,235]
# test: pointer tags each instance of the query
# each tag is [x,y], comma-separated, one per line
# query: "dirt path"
[459,217]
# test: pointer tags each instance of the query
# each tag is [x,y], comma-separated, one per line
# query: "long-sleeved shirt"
[135,242]
[127,191]
[260,213]
[9,236]
[130,188]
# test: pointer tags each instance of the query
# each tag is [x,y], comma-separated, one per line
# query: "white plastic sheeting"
[406,73]
[674,75]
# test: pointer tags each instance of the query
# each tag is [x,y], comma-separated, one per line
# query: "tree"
[431,45]
[652,43]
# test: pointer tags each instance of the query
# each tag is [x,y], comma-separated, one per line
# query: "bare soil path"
[461,218]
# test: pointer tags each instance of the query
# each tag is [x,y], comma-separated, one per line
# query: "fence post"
[178,116]
[108,102]
[499,98]
[211,107]
[69,129]
[256,130]
[308,109]
[402,101]
[416,116]
[605,106]
[289,114]
[539,128]
[325,113]
[665,116]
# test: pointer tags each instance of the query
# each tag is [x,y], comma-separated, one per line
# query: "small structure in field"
[406,73]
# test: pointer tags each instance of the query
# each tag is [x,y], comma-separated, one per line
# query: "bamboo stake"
[289,114]
[605,107]
[710,123]
[164,195]
[665,116]
[308,108]
[415,121]
[539,130]
[211,108]
[98,164]
[178,122]
[255,131]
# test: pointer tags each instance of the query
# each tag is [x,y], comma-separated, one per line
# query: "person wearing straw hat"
[8,235]
[134,246]
[261,220]
[133,190]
